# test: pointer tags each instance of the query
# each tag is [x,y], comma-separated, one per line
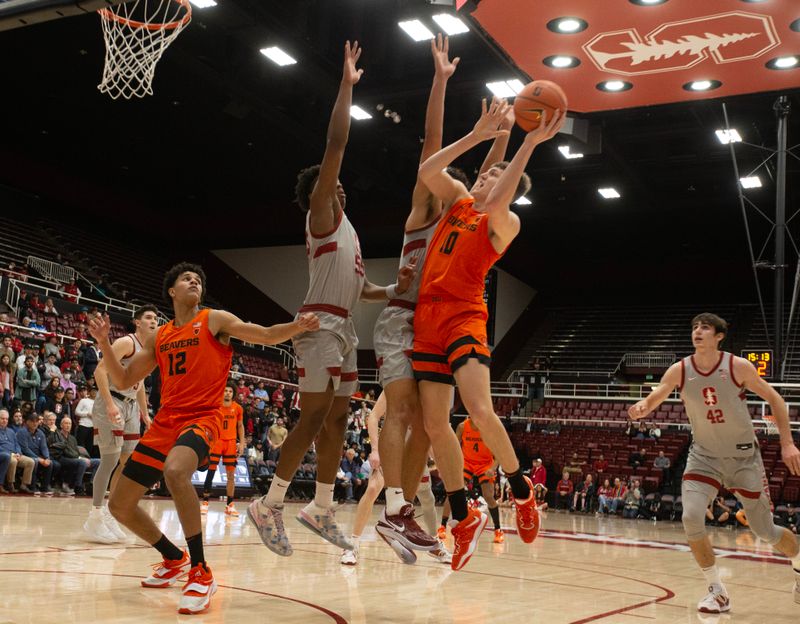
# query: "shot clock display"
[762,360]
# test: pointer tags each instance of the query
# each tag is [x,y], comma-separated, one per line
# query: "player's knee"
[176,475]
[693,524]
[437,428]
[121,512]
[482,414]
[759,517]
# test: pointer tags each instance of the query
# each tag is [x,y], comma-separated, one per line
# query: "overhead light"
[505,88]
[523,201]
[561,61]
[728,136]
[702,85]
[278,56]
[203,4]
[356,112]
[564,149]
[784,62]
[750,182]
[614,86]
[647,2]
[450,24]
[609,193]
[416,30]
[567,25]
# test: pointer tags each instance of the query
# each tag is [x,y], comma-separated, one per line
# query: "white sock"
[277,491]
[355,539]
[712,578]
[394,501]
[323,497]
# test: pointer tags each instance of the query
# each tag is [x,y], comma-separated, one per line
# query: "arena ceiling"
[209,161]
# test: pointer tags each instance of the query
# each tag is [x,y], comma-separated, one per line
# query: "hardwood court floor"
[580,569]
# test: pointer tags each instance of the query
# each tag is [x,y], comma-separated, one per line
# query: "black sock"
[458,504]
[519,487]
[195,544]
[444,521]
[494,512]
[206,496]
[167,549]
[208,482]
[230,499]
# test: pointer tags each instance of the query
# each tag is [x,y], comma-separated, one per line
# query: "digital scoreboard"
[762,360]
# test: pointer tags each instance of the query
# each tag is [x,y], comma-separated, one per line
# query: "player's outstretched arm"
[322,216]
[504,224]
[372,293]
[748,376]
[670,380]
[432,171]
[221,323]
[139,366]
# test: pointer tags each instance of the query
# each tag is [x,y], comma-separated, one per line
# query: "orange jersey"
[231,417]
[472,445]
[194,366]
[459,256]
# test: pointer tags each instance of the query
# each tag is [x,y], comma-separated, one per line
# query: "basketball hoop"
[769,425]
[136,35]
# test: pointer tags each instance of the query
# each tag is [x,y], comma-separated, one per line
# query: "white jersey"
[415,245]
[716,405]
[335,269]
[128,392]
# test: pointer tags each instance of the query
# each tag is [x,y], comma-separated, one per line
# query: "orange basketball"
[536,99]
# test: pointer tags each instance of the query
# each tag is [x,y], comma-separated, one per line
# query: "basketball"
[536,99]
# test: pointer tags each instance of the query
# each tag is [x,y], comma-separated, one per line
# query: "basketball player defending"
[226,449]
[724,452]
[117,415]
[450,319]
[404,456]
[326,360]
[193,354]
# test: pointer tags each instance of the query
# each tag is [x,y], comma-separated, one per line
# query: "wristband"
[391,291]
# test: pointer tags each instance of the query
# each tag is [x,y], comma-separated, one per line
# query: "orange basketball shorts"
[446,335]
[227,450]
[474,469]
[197,430]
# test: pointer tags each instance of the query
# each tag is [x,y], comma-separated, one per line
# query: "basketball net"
[136,34]
[769,425]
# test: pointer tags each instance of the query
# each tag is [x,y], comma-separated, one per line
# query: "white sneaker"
[714,602]
[441,554]
[350,557]
[66,490]
[96,528]
[204,507]
[113,525]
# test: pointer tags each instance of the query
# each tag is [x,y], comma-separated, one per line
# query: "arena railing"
[649,360]
[49,291]
[43,334]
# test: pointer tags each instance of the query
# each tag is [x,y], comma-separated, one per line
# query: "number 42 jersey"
[194,366]
[716,405]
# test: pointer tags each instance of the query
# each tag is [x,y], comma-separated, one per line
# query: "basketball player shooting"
[450,320]
[724,451]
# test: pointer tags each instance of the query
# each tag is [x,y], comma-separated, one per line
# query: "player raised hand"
[308,322]
[547,128]
[350,74]
[492,116]
[99,328]
[406,275]
[638,410]
[443,66]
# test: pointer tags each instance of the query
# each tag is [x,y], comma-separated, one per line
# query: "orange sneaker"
[167,572]
[527,517]
[441,533]
[196,595]
[499,536]
[204,507]
[465,536]
[230,510]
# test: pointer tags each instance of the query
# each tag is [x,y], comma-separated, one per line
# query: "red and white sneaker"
[714,602]
[167,572]
[403,528]
[197,592]
[465,537]
[204,507]
[527,516]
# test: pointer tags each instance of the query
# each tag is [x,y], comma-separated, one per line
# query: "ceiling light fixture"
[561,61]
[647,2]
[203,4]
[450,24]
[609,193]
[750,182]
[614,86]
[784,62]
[523,201]
[278,56]
[567,25]
[564,149]
[416,30]
[702,85]
[728,136]
[356,112]
[505,88]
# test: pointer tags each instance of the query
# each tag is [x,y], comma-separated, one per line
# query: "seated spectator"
[283,375]
[617,496]
[34,303]
[600,464]
[553,427]
[654,432]
[575,465]
[64,449]
[564,491]
[83,315]
[792,518]
[637,459]
[582,500]
[6,380]
[539,480]
[83,412]
[633,499]
[33,444]
[651,508]
[56,402]
[11,458]
[663,462]
[351,466]
[80,332]
[76,374]
[718,512]
[27,382]
[51,346]
[17,421]
[604,497]
[72,291]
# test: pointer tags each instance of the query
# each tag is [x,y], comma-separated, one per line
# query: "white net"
[136,35]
